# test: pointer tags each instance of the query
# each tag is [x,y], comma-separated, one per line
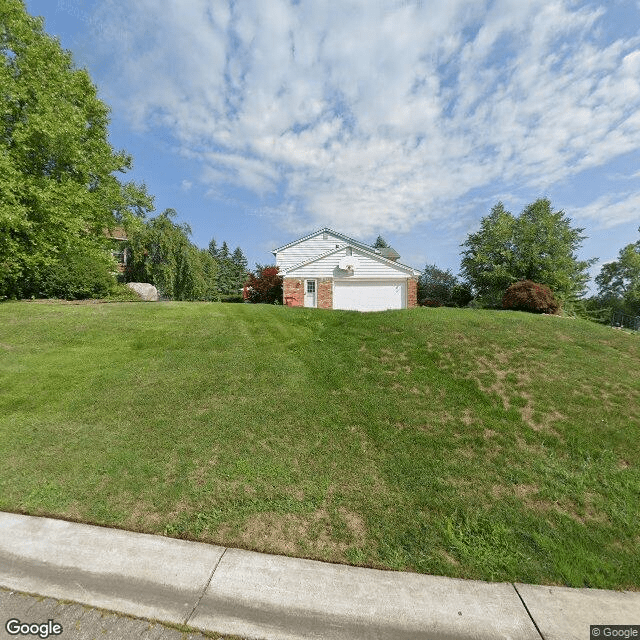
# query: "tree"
[232,268]
[539,245]
[435,285]
[380,243]
[213,248]
[225,271]
[239,269]
[546,245]
[265,285]
[162,254]
[210,274]
[488,261]
[58,192]
[619,281]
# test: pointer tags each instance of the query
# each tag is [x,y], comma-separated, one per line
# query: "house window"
[311,286]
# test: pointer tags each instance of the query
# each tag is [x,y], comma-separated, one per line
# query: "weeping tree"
[162,254]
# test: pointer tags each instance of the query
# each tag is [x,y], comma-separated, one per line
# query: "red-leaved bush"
[530,296]
[265,286]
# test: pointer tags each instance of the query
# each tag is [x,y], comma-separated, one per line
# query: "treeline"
[60,197]
[540,246]
[57,169]
[159,251]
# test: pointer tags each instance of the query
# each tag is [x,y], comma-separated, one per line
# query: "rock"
[145,290]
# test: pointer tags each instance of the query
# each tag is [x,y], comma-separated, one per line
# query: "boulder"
[145,290]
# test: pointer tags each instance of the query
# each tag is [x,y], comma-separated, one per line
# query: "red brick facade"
[412,293]
[325,293]
[293,292]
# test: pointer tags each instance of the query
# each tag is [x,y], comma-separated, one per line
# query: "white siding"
[306,250]
[368,267]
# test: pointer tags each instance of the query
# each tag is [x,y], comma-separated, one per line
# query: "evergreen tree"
[240,272]
[213,249]
[225,271]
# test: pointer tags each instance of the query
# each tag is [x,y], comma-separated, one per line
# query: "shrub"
[121,293]
[461,295]
[530,296]
[78,274]
[427,302]
[264,286]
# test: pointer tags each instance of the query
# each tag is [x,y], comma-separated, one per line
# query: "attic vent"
[325,236]
[349,251]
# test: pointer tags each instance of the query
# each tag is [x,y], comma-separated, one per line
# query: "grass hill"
[476,444]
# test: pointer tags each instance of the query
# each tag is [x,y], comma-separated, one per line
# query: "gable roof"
[369,251]
[346,239]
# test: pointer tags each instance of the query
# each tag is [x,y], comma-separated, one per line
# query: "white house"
[329,270]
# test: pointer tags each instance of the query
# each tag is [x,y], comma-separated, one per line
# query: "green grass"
[475,444]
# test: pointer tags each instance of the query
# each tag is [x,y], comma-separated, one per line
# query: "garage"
[369,295]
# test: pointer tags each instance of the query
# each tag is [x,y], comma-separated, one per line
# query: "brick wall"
[293,292]
[325,293]
[412,293]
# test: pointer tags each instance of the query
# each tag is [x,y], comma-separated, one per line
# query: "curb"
[255,595]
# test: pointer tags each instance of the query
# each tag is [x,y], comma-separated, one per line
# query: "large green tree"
[539,245]
[59,191]
[162,254]
[619,281]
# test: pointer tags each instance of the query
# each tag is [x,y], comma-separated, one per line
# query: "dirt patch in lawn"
[316,534]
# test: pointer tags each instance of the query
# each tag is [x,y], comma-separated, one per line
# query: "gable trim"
[347,239]
[376,256]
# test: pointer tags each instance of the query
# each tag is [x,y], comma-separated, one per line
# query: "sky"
[261,121]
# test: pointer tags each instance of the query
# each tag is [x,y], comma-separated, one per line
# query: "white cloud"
[380,114]
[611,210]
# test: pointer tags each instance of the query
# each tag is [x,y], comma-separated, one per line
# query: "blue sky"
[262,120]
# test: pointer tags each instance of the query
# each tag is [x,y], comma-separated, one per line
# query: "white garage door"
[372,295]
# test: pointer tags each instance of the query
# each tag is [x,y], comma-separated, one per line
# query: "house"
[329,270]
[120,252]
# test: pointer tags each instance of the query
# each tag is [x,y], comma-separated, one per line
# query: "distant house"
[329,270]
[119,251]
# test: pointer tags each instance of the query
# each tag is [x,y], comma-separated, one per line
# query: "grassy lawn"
[475,444]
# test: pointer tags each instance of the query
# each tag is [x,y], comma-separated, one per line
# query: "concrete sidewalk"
[254,595]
